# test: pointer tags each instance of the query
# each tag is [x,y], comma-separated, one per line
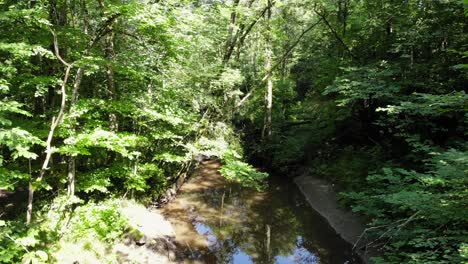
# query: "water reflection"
[231,224]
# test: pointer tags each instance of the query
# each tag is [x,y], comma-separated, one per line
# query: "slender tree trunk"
[45,165]
[77,85]
[71,175]
[29,209]
[268,241]
[222,208]
[232,35]
[72,158]
[241,33]
[343,13]
[335,34]
[85,16]
[74,99]
[244,30]
[56,121]
[110,54]
[269,87]
[268,100]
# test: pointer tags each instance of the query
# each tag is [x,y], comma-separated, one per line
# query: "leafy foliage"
[236,170]
[429,206]
[370,94]
[103,221]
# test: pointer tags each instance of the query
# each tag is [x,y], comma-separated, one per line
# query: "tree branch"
[335,34]
[239,39]
[285,55]
[56,120]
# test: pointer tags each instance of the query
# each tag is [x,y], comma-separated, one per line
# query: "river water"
[221,222]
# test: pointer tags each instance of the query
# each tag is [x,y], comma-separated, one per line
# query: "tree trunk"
[268,241]
[110,54]
[266,133]
[71,175]
[29,209]
[56,121]
[74,99]
[232,36]
[71,158]
[268,101]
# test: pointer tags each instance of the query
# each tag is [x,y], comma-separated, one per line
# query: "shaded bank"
[321,195]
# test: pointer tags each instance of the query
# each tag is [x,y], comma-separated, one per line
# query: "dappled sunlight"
[150,224]
[86,252]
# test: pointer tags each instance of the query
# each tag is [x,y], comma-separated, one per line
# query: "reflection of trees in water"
[266,225]
[282,227]
[224,250]
[261,225]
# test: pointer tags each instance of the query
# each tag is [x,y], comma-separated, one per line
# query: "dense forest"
[103,99]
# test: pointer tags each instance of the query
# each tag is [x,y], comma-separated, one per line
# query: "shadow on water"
[220,222]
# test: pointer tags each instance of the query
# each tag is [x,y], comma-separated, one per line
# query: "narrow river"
[220,222]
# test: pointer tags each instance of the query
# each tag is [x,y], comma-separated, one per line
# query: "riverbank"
[322,197]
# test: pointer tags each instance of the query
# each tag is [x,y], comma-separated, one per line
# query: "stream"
[220,222]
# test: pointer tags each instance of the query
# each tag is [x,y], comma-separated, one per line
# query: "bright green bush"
[102,220]
[236,170]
